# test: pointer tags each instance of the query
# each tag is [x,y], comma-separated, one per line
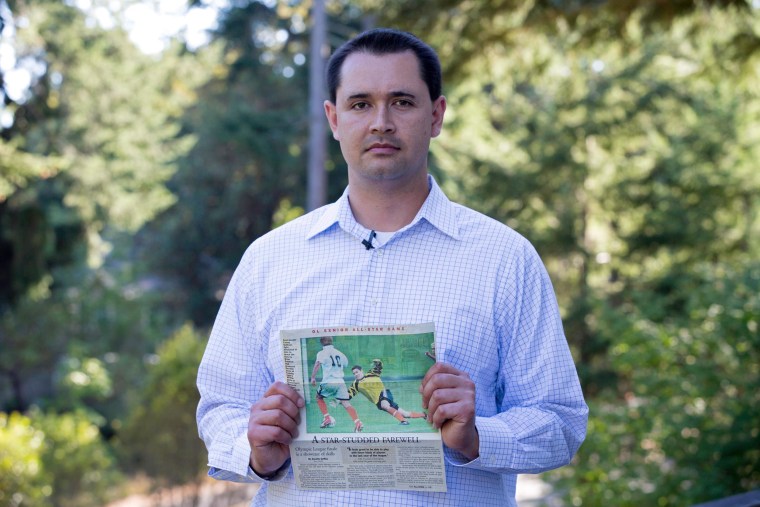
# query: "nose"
[382,122]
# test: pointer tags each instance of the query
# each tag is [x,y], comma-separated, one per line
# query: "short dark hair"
[382,41]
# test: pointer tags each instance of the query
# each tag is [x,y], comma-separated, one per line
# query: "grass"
[405,393]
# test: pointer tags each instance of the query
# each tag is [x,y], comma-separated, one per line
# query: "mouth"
[382,148]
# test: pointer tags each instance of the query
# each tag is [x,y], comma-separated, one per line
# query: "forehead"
[365,73]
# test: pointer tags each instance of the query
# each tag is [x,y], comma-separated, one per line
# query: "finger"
[284,389]
[274,410]
[276,415]
[439,368]
[286,417]
[442,397]
[280,396]
[444,381]
[269,426]
[460,411]
[264,435]
[441,375]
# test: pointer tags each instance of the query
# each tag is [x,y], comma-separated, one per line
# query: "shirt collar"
[436,210]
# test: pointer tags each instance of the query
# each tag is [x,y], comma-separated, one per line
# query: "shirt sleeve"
[542,414]
[232,375]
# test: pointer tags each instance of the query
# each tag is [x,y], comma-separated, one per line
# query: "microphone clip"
[368,242]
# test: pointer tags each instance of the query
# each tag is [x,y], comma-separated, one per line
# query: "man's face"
[383,117]
[358,374]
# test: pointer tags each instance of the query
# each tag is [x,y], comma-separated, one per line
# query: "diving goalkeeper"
[371,386]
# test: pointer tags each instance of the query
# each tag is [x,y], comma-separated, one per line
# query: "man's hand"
[272,426]
[449,396]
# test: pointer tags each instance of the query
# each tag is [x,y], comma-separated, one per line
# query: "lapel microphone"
[368,242]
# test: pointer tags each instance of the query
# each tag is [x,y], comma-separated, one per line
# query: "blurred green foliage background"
[621,138]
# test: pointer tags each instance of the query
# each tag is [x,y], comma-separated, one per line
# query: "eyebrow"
[393,94]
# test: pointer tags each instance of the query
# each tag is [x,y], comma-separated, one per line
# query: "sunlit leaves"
[169,452]
[684,427]
[18,168]
[22,478]
[52,459]
[78,461]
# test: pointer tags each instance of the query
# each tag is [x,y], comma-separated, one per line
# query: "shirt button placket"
[375,286]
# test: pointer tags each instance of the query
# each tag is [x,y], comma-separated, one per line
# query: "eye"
[359,106]
[403,103]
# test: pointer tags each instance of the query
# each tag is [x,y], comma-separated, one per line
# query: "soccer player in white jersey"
[333,384]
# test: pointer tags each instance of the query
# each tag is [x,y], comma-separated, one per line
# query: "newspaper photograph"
[363,426]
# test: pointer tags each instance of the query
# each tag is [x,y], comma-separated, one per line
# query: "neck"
[385,207]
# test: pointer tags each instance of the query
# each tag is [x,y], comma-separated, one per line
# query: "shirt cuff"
[242,453]
[230,459]
[494,445]
[458,459]
[273,477]
[250,477]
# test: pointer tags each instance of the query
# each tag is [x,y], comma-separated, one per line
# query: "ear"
[439,108]
[332,118]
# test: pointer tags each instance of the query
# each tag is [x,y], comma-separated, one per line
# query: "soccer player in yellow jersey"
[371,386]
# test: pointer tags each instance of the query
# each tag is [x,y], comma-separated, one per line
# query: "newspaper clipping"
[363,426]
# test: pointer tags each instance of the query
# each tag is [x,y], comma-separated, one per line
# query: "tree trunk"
[317,178]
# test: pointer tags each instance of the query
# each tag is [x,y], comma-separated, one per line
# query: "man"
[333,386]
[393,249]
[372,387]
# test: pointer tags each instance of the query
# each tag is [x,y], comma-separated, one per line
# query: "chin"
[386,173]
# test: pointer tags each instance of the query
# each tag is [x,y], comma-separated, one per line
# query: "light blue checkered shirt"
[495,315]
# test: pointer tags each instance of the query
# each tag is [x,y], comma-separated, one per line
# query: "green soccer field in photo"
[404,366]
[405,393]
